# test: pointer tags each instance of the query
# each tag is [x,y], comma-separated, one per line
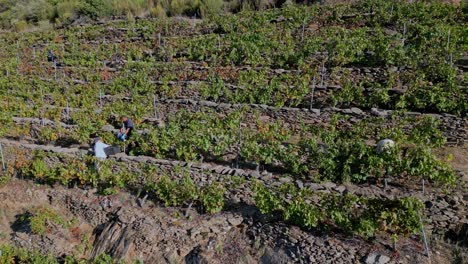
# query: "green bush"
[350,213]
[20,25]
[158,11]
[210,7]
[95,8]
[136,7]
[41,218]
[184,192]
[11,254]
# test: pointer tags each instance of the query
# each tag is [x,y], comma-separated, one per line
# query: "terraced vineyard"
[255,138]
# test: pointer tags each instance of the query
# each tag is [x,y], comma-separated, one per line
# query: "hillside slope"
[255,138]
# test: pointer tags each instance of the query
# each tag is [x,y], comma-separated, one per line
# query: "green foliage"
[342,158]
[18,255]
[212,198]
[265,200]
[364,216]
[185,191]
[41,218]
[253,58]
[210,7]
[104,259]
[72,170]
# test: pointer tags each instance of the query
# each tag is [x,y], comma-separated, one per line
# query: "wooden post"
[68,111]
[100,98]
[448,40]
[154,107]
[17,51]
[450,57]
[404,34]
[322,73]
[159,39]
[17,57]
[3,159]
[422,183]
[55,70]
[240,144]
[303,29]
[312,95]
[426,246]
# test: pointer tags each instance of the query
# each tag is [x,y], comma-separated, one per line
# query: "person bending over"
[126,130]
[99,148]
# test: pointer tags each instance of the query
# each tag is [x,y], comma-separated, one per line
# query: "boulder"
[376,258]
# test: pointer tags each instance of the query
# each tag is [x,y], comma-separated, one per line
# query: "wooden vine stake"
[404,34]
[154,107]
[302,34]
[17,57]
[422,183]
[55,70]
[312,95]
[68,111]
[240,144]
[322,73]
[426,246]
[17,51]
[3,159]
[448,40]
[448,48]
[100,98]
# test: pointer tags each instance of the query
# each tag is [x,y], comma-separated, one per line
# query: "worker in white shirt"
[385,145]
[99,152]
[99,147]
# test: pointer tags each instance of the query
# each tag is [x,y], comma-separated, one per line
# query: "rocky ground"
[127,228]
[117,225]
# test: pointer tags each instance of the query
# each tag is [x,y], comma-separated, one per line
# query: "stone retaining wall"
[444,212]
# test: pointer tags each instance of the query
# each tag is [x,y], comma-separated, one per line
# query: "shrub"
[135,7]
[44,25]
[20,25]
[158,11]
[11,254]
[179,7]
[213,198]
[95,8]
[41,218]
[210,7]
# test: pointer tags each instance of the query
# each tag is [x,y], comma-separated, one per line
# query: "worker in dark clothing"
[51,56]
[126,130]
